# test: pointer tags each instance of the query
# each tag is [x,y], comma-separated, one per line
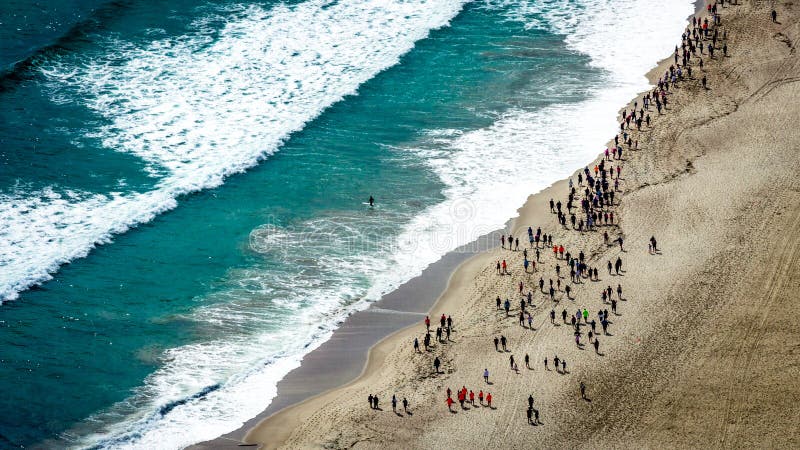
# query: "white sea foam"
[488,173]
[40,231]
[206,389]
[204,106]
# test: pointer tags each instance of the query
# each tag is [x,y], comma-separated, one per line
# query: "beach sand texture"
[705,351]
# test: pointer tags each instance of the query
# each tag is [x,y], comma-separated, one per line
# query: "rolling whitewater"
[180,180]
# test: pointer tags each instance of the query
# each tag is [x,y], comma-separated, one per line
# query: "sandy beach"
[703,350]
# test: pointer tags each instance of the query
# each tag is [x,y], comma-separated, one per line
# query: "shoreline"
[275,429]
[283,413]
[345,356]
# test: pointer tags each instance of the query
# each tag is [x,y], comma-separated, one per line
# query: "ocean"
[183,183]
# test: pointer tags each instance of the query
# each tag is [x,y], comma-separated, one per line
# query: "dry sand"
[706,349]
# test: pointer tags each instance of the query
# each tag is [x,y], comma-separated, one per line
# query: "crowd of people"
[591,206]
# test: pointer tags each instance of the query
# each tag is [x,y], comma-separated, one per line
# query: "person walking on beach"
[597,345]
[503,342]
[496,342]
[489,400]
[583,391]
[480,397]
[529,413]
[416,345]
[394,403]
[527,361]
[511,362]
[774,15]
[450,403]
[375,401]
[486,375]
[436,364]
[370,400]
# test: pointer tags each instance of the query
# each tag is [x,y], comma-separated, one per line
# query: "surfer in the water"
[371,201]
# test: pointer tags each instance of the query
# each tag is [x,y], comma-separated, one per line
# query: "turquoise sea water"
[222,152]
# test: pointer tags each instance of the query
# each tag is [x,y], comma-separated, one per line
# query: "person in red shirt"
[489,400]
[450,403]
[480,397]
[472,397]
